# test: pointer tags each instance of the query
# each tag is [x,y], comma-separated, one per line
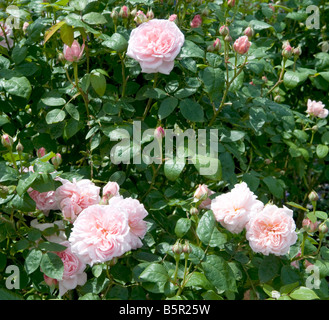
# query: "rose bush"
[164,150]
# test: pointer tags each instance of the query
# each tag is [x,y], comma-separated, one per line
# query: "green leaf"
[18,86]
[51,246]
[198,279]
[6,294]
[67,35]
[98,83]
[321,215]
[117,42]
[293,79]
[19,54]
[296,205]
[219,273]
[167,106]
[303,293]
[32,261]
[207,231]
[213,80]
[72,110]
[259,25]
[322,151]
[155,273]
[52,265]
[94,18]
[25,182]
[55,116]
[274,186]
[191,50]
[208,167]
[269,268]
[191,110]
[173,168]
[183,225]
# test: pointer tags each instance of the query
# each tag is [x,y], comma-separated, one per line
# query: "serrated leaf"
[155,273]
[52,265]
[32,261]
[55,116]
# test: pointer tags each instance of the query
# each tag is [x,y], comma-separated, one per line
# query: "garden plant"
[164,149]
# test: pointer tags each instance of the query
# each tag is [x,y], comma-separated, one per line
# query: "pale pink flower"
[6,32]
[136,213]
[25,26]
[173,17]
[196,21]
[316,109]
[203,192]
[73,53]
[100,233]
[155,45]
[45,201]
[111,189]
[272,230]
[73,274]
[73,197]
[159,133]
[242,45]
[233,209]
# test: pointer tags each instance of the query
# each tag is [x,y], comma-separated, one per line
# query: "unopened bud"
[231,3]
[228,38]
[140,17]
[249,32]
[323,228]
[217,45]
[313,196]
[56,160]
[205,12]
[177,248]
[268,161]
[41,152]
[150,14]
[224,31]
[114,15]
[325,46]
[7,140]
[277,99]
[187,248]
[287,51]
[297,51]
[159,133]
[133,12]
[124,12]
[194,211]
[309,226]
[19,148]
[264,78]
[315,128]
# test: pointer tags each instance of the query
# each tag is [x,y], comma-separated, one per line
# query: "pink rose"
[242,45]
[173,17]
[100,233]
[136,213]
[41,152]
[6,32]
[203,192]
[73,53]
[316,109]
[155,45]
[140,17]
[196,21]
[73,197]
[233,209]
[73,274]
[25,26]
[272,230]
[111,189]
[309,226]
[45,201]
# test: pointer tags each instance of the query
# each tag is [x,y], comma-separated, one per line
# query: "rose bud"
[323,228]
[287,51]
[140,17]
[124,12]
[7,140]
[19,148]
[217,45]
[41,152]
[114,15]
[73,53]
[150,14]
[187,248]
[313,196]
[231,3]
[111,189]
[309,226]
[242,45]
[56,160]
[196,22]
[194,211]
[224,31]
[249,32]
[297,51]
[25,26]
[177,248]
[228,38]
[159,133]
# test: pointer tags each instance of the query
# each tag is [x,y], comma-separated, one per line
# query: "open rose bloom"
[272,230]
[233,209]
[45,201]
[155,45]
[6,32]
[316,109]
[103,232]
[73,197]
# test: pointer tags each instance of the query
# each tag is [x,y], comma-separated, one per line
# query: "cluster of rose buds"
[288,50]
